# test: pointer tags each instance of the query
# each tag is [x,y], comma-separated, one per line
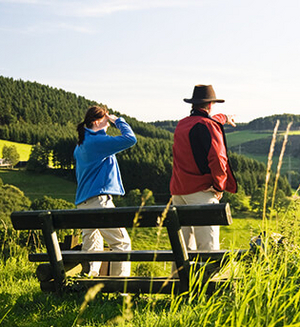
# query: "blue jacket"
[97,169]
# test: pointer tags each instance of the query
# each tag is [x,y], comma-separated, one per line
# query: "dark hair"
[197,106]
[92,114]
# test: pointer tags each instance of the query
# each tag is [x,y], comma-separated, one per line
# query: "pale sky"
[142,57]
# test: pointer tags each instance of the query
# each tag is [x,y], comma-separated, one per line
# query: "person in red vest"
[201,169]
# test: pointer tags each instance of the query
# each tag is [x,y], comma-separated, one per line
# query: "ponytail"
[80,130]
[92,114]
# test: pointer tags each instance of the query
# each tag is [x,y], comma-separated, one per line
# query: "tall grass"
[280,163]
[268,173]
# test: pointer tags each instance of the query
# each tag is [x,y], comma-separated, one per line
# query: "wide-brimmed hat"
[203,94]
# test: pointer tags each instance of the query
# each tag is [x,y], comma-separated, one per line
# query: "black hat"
[203,94]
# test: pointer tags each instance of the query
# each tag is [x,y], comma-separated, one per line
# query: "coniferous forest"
[33,113]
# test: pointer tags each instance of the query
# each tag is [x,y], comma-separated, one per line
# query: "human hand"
[111,118]
[230,120]
[217,194]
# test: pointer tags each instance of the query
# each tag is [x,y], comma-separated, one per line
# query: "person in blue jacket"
[98,178]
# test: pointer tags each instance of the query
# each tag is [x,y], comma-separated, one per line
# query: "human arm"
[114,144]
[225,119]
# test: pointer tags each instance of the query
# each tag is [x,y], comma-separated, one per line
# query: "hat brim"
[200,101]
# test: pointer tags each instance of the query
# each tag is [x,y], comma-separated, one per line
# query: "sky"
[143,57]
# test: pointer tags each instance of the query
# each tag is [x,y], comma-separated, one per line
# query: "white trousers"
[203,238]
[116,238]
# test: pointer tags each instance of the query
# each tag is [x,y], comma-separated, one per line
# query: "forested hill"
[259,124]
[31,103]
[33,113]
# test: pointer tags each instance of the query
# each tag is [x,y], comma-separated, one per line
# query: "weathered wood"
[122,284]
[134,285]
[135,255]
[179,249]
[204,215]
[44,271]
[176,216]
[189,215]
[53,249]
[70,242]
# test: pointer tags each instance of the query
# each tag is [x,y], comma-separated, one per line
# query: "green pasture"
[294,133]
[239,137]
[291,163]
[23,149]
[37,185]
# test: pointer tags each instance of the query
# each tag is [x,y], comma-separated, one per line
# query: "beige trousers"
[203,238]
[116,238]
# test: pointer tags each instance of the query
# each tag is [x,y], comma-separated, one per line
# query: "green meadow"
[239,137]
[23,149]
[37,185]
[289,163]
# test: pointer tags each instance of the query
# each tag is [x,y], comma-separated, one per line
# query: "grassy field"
[23,149]
[37,185]
[294,133]
[239,137]
[287,164]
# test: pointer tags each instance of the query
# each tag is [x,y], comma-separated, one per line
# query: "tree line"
[258,124]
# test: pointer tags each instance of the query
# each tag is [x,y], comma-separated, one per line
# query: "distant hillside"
[35,106]
[268,123]
[259,124]
[168,125]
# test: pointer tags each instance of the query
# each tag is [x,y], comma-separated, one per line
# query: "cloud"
[27,2]
[48,28]
[98,8]
[67,27]
[70,10]
[107,7]
[92,9]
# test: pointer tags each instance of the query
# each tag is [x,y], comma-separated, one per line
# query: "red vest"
[186,176]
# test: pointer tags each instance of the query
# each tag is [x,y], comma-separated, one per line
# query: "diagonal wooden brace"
[53,249]
[179,248]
